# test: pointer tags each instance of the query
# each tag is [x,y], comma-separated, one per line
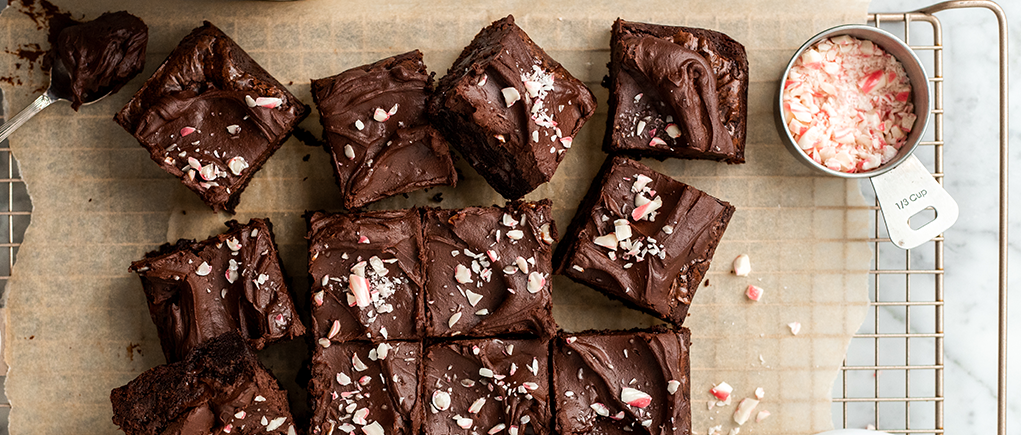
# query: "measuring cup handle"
[25,114]
[907,190]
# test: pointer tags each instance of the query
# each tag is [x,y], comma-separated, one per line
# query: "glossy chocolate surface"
[510,109]
[211,116]
[220,388]
[366,386]
[103,54]
[230,282]
[376,132]
[488,270]
[660,265]
[487,385]
[381,248]
[623,382]
[676,92]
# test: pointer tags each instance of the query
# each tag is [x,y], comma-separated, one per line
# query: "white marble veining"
[971,252]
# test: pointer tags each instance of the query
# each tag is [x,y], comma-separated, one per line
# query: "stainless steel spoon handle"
[25,114]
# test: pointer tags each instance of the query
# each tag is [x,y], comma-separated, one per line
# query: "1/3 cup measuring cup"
[904,188]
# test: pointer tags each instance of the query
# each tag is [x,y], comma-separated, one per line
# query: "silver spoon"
[60,89]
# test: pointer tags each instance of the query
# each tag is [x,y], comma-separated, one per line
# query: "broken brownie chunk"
[221,387]
[622,382]
[371,387]
[211,116]
[488,270]
[487,386]
[644,238]
[676,92]
[230,282]
[367,276]
[376,132]
[510,109]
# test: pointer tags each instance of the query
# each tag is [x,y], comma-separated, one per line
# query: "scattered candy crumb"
[742,265]
[795,327]
[754,293]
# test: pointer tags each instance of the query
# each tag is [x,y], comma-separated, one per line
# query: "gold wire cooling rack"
[899,391]
[899,387]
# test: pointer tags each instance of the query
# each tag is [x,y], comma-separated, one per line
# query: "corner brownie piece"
[366,275]
[102,55]
[220,388]
[644,238]
[510,109]
[376,132]
[229,282]
[211,116]
[676,92]
[488,270]
[487,386]
[622,382]
[367,386]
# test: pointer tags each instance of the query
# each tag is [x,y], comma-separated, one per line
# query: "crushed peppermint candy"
[722,391]
[671,386]
[847,104]
[380,115]
[762,415]
[203,269]
[636,398]
[536,282]
[742,265]
[510,96]
[744,410]
[754,292]
[187,130]
[795,327]
[237,164]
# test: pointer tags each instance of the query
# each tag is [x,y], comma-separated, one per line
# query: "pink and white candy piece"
[722,391]
[754,292]
[636,398]
[744,410]
[359,286]
[795,327]
[742,265]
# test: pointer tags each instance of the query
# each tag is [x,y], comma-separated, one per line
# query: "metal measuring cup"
[903,186]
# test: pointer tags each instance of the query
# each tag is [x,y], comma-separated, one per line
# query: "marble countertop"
[971,249]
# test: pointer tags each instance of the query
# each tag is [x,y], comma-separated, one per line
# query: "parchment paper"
[77,323]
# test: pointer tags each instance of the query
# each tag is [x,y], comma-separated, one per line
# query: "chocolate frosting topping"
[685,81]
[220,387]
[386,245]
[103,54]
[387,386]
[487,383]
[380,154]
[475,273]
[231,282]
[673,250]
[596,367]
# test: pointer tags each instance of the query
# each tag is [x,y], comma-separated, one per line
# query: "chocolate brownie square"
[229,282]
[488,270]
[211,116]
[366,275]
[221,387]
[622,382]
[376,132]
[644,238]
[371,387]
[676,92]
[510,109]
[487,386]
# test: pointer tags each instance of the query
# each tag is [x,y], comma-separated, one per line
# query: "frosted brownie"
[643,238]
[676,92]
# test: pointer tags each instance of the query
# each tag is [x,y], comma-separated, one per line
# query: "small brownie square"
[676,92]
[622,382]
[372,387]
[221,387]
[366,276]
[487,386]
[510,109]
[376,132]
[232,281]
[644,238]
[488,270]
[211,116]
